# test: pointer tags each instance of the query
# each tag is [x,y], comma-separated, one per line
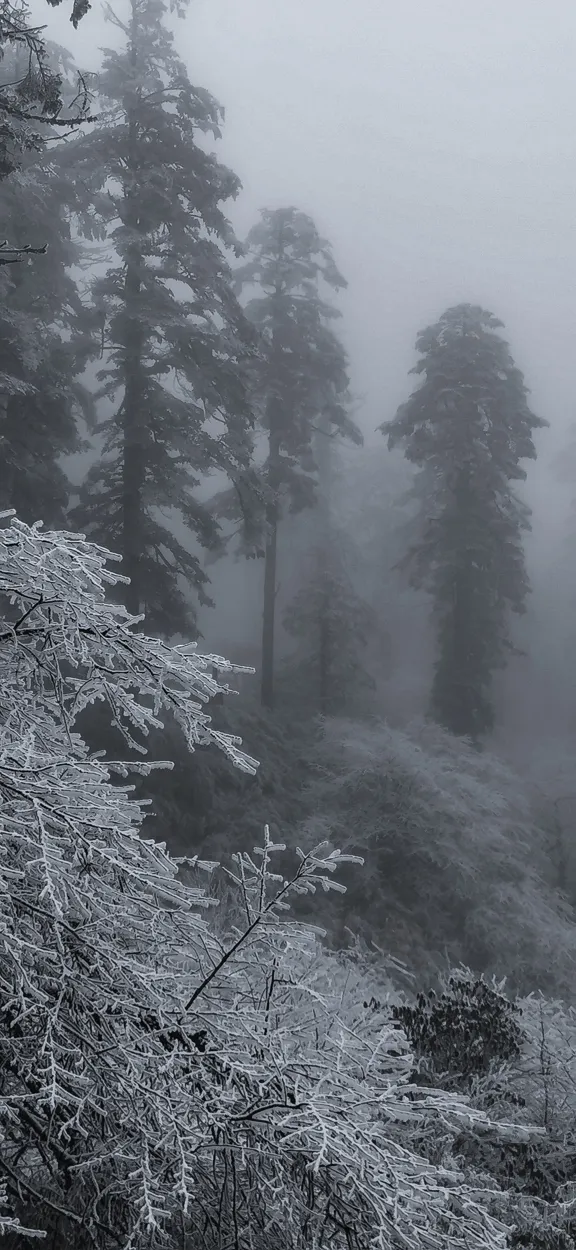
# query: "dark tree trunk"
[134,467]
[324,460]
[270,570]
[269,613]
[134,452]
[324,666]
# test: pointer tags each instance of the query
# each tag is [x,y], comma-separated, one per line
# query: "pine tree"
[35,97]
[175,339]
[467,427]
[331,624]
[302,376]
[41,335]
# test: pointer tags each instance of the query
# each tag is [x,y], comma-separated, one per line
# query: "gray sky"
[432,140]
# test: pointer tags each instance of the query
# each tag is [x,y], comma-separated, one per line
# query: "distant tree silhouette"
[302,375]
[468,427]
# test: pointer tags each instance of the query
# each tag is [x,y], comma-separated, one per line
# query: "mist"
[286,326]
[433,146]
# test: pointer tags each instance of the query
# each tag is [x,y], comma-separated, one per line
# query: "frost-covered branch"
[162,1083]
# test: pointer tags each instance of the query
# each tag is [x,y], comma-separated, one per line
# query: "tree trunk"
[133,467]
[275,421]
[323,455]
[270,568]
[324,660]
[269,613]
[7,469]
[134,453]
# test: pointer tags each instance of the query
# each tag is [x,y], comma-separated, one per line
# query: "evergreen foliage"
[463,1032]
[42,339]
[185,1062]
[467,427]
[206,807]
[300,380]
[34,98]
[41,313]
[175,341]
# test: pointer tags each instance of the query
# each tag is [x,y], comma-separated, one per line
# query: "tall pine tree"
[301,377]
[468,427]
[174,338]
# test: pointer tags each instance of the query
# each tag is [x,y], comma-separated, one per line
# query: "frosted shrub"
[163,1082]
[456,864]
[547,1076]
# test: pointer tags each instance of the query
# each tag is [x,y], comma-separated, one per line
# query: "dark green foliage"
[537,1169]
[462,1032]
[79,9]
[176,342]
[467,427]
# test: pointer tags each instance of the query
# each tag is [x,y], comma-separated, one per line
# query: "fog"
[433,143]
[288,807]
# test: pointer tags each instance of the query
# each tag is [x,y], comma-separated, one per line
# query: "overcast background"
[433,142]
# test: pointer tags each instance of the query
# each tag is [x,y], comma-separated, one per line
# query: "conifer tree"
[302,376]
[35,96]
[468,427]
[42,336]
[175,340]
[41,98]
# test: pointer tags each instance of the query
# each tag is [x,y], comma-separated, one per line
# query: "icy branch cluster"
[163,1081]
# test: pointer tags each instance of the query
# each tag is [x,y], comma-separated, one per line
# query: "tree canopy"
[299,380]
[175,342]
[468,427]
